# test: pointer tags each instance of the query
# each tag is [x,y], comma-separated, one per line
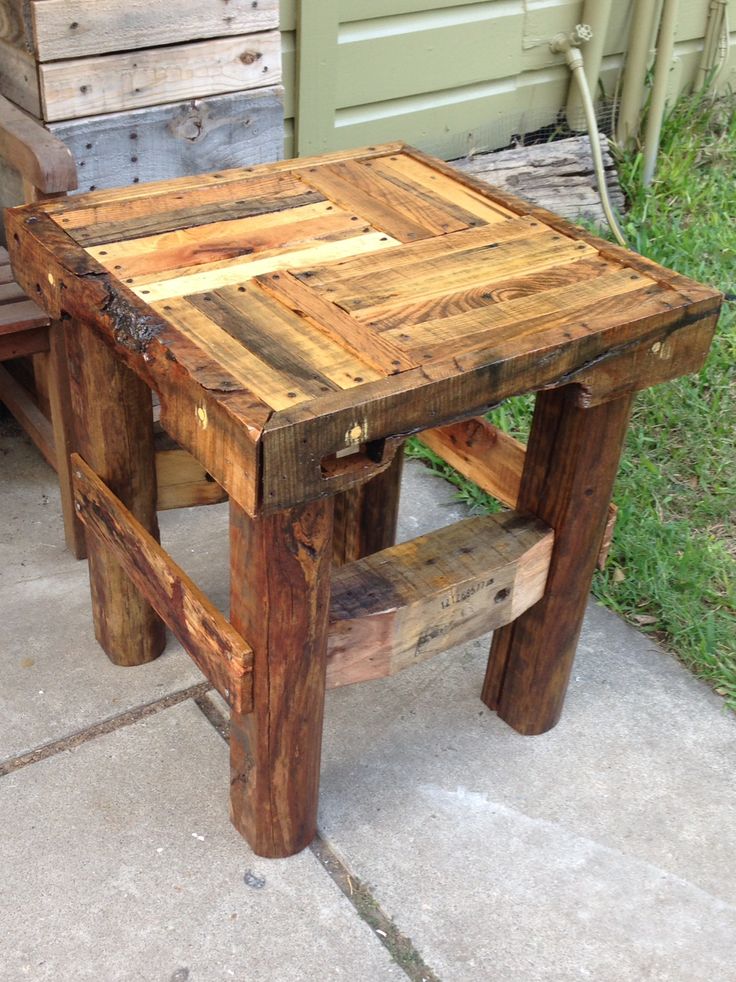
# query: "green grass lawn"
[672,569]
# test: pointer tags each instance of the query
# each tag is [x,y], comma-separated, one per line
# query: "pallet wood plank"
[339,183]
[494,461]
[205,329]
[238,271]
[213,644]
[415,252]
[416,172]
[132,80]
[73,28]
[434,277]
[398,607]
[386,357]
[238,238]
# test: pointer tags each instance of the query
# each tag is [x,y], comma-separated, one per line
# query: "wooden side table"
[297,321]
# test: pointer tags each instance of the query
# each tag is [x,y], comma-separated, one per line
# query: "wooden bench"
[297,321]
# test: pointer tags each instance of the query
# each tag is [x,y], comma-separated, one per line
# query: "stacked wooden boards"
[146,90]
[298,319]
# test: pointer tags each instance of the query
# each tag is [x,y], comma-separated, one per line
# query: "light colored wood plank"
[408,253]
[203,245]
[42,160]
[237,271]
[494,461]
[112,83]
[213,644]
[481,452]
[398,607]
[368,297]
[72,28]
[182,482]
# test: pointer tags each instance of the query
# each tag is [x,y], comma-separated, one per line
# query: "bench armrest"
[42,159]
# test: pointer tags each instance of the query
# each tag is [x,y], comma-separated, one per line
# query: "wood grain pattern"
[280,564]
[73,28]
[131,80]
[396,608]
[570,467]
[494,461]
[376,337]
[216,648]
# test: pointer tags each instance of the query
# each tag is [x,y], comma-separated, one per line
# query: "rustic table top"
[289,312]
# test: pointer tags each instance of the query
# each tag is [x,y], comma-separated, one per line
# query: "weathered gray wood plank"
[558,176]
[72,28]
[176,140]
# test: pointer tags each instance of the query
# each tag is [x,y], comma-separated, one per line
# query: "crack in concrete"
[101,729]
[400,947]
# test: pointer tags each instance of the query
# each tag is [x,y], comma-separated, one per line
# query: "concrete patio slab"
[601,850]
[122,866]
[56,679]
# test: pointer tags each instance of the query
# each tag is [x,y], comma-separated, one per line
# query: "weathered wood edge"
[40,158]
[381,641]
[222,427]
[400,405]
[214,645]
[225,176]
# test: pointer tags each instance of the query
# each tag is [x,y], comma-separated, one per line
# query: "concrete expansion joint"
[399,946]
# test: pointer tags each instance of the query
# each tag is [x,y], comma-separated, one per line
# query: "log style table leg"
[114,425]
[366,516]
[280,591]
[571,463]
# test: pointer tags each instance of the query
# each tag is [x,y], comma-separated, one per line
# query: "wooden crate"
[140,95]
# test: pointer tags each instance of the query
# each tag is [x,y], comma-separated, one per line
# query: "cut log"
[558,176]
[405,604]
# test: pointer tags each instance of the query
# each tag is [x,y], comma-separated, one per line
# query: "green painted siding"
[447,75]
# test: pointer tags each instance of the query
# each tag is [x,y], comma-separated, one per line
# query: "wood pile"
[146,89]
[558,176]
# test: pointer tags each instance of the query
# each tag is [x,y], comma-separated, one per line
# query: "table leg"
[114,435]
[366,516]
[571,463]
[280,591]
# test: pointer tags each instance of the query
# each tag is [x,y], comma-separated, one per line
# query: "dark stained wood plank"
[116,440]
[326,317]
[366,516]
[571,464]
[213,644]
[398,607]
[278,564]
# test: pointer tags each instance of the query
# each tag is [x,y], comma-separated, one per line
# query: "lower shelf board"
[405,604]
